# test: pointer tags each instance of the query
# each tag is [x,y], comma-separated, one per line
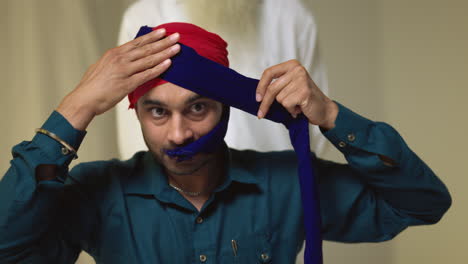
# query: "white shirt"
[287,31]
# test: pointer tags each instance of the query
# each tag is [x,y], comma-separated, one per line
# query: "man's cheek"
[156,136]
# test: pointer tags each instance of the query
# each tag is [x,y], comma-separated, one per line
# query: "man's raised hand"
[289,84]
[117,73]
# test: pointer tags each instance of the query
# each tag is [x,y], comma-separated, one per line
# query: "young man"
[219,206]
[272,31]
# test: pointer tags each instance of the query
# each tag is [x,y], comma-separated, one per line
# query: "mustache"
[171,146]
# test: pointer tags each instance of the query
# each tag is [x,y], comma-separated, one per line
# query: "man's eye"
[197,108]
[158,112]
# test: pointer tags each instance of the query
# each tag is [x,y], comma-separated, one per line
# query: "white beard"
[236,21]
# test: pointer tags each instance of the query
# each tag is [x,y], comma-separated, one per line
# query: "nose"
[180,132]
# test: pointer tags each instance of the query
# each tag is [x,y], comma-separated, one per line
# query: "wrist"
[79,115]
[331,115]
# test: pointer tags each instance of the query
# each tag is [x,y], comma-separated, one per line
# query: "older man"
[190,198]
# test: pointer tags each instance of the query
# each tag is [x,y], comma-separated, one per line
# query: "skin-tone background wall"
[403,62]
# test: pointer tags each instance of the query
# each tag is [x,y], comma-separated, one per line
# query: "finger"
[270,74]
[153,60]
[149,74]
[154,47]
[271,93]
[287,88]
[291,103]
[286,96]
[143,40]
[267,77]
[304,97]
[284,99]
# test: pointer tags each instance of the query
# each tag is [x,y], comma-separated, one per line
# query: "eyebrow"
[191,99]
[154,102]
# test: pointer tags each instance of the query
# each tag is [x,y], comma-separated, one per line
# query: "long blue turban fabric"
[208,78]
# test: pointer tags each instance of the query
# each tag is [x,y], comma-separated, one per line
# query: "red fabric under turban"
[206,44]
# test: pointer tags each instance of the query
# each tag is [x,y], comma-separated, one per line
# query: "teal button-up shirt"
[125,211]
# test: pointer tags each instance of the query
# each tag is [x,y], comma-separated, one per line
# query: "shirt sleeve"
[31,211]
[367,200]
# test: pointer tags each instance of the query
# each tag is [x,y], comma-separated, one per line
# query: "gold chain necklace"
[193,194]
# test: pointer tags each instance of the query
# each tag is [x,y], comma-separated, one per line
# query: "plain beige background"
[403,62]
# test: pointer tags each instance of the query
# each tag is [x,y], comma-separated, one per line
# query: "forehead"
[168,92]
[169,95]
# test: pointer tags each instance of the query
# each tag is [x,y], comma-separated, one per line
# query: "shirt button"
[65,151]
[202,258]
[264,256]
[199,220]
[342,144]
[351,137]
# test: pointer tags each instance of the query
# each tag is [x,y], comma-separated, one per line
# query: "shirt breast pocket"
[251,248]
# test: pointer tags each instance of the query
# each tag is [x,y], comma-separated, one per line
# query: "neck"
[202,181]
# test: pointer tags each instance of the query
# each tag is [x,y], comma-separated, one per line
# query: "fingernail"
[260,114]
[167,61]
[175,47]
[160,30]
[258,97]
[174,36]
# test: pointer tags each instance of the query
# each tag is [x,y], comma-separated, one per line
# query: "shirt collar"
[148,178]
[237,171]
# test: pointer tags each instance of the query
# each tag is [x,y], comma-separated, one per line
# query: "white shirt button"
[342,144]
[351,137]
[199,220]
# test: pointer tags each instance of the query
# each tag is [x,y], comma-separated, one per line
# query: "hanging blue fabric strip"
[210,79]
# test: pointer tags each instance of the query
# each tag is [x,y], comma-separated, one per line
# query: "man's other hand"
[290,84]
